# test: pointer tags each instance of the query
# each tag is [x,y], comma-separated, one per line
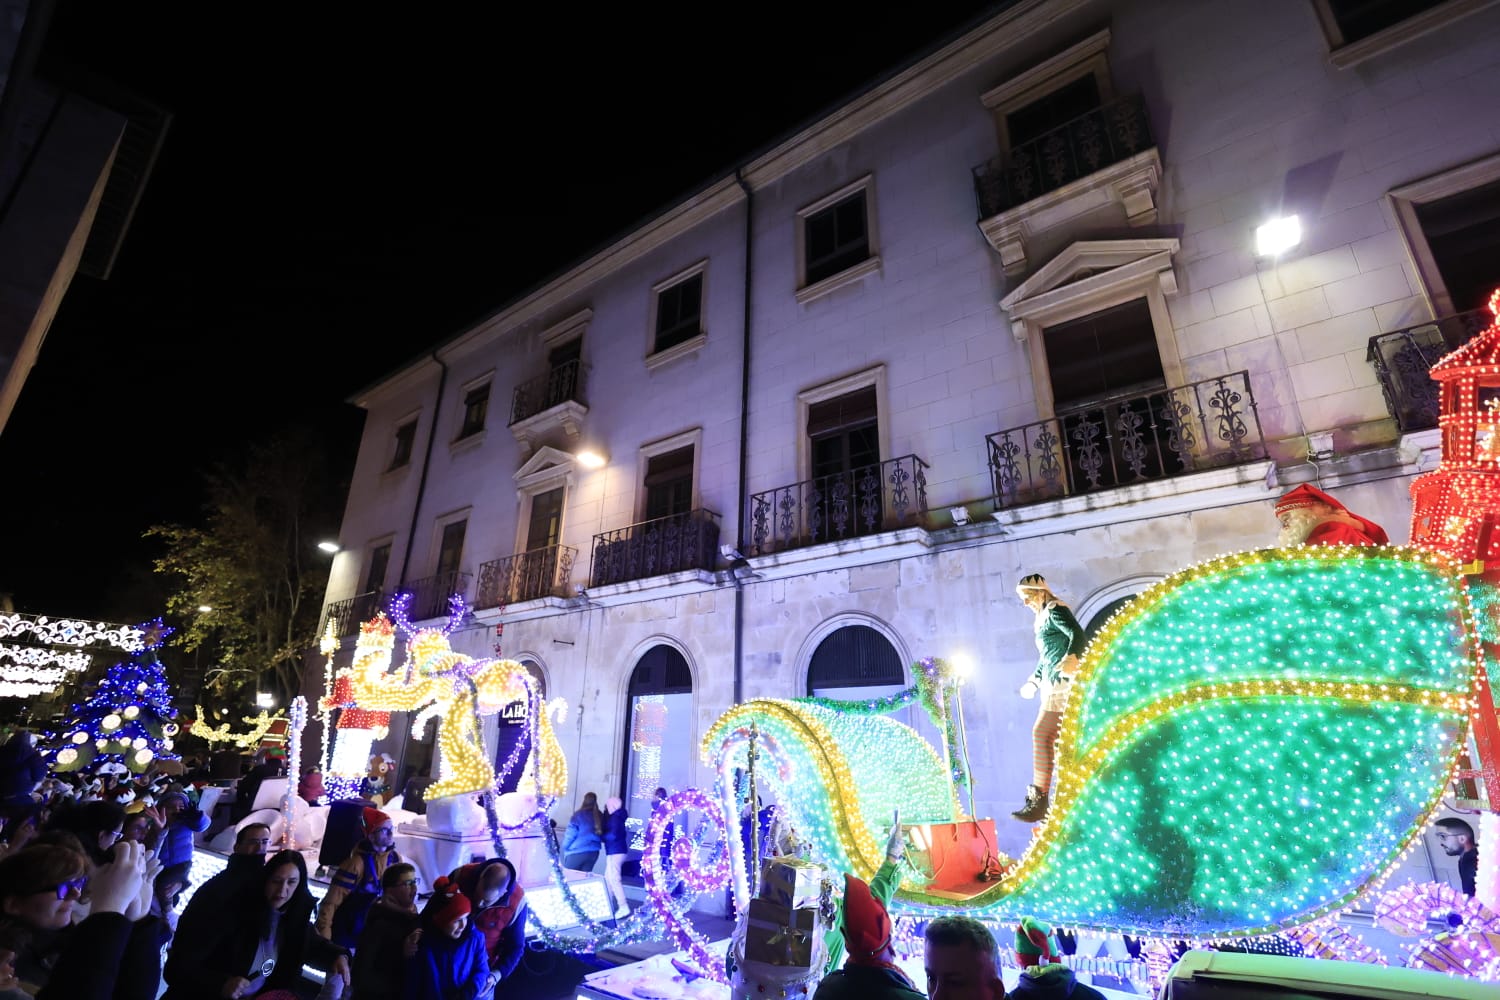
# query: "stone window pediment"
[548,468]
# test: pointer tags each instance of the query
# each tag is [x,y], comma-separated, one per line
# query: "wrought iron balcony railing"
[652,548]
[525,576]
[1402,358]
[1103,137]
[348,613]
[864,501]
[563,384]
[1134,439]
[429,595]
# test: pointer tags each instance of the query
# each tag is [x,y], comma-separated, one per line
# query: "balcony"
[1105,156]
[1402,358]
[834,508]
[548,403]
[429,595]
[525,576]
[653,548]
[347,614]
[1149,436]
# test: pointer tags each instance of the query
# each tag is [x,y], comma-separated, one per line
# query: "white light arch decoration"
[1108,594]
[831,625]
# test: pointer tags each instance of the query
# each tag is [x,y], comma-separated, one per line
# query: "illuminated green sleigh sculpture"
[1250,745]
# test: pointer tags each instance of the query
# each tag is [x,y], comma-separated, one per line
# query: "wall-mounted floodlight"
[1278,236]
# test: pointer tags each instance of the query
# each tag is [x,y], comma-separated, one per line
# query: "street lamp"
[590,459]
[265,699]
[329,547]
[204,609]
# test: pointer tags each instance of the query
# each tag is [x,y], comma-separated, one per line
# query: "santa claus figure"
[1309,516]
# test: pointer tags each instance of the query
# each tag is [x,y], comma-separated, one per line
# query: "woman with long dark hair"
[257,944]
[585,836]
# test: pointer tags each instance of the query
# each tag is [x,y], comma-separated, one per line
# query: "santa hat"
[447,903]
[1034,944]
[1306,496]
[867,927]
[374,819]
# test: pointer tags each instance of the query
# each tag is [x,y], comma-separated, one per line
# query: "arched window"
[1103,615]
[659,748]
[855,656]
[535,670]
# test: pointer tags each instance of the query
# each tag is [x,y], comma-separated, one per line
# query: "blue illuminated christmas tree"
[128,720]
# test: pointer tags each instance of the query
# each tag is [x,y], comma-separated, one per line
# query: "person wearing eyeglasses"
[389,937]
[108,955]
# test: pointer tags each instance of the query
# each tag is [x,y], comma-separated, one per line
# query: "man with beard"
[1309,516]
[1456,838]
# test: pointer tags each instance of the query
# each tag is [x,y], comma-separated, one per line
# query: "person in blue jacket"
[450,962]
[584,837]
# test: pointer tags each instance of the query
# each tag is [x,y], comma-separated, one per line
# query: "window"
[405,435]
[1051,110]
[476,407]
[380,562]
[855,656]
[844,433]
[1104,355]
[545,527]
[669,483]
[836,239]
[679,313]
[1052,93]
[659,748]
[451,547]
[1451,225]
[1463,235]
[1359,29]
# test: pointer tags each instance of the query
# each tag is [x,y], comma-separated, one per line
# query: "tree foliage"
[254,562]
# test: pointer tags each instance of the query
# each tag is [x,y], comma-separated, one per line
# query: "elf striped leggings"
[1043,736]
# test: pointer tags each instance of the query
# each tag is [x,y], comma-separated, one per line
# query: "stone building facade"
[813,421]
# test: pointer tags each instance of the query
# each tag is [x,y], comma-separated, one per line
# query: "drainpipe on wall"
[739,589]
[416,509]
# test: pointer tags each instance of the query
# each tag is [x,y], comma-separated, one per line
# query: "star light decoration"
[1220,726]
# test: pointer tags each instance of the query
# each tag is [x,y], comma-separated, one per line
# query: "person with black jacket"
[260,942]
[616,846]
[388,940]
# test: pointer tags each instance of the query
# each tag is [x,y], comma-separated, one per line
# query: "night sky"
[338,194]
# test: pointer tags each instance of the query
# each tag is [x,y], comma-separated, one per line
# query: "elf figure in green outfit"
[1059,642]
[869,924]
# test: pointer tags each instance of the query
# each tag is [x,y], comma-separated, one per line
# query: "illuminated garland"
[298,720]
[74,632]
[329,646]
[1198,753]
[680,870]
[259,725]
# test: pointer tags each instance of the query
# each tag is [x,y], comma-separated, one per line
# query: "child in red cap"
[450,962]
[355,884]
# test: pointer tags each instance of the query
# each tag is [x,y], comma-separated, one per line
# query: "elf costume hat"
[867,927]
[447,903]
[374,819]
[1034,943]
[1306,496]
